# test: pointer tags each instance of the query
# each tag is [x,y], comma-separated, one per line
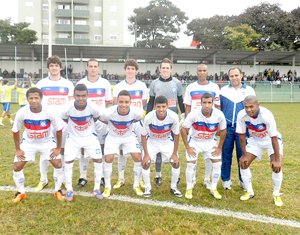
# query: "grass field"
[41,213]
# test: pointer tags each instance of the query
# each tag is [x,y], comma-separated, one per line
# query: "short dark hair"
[207,96]
[55,59]
[26,86]
[80,87]
[167,61]
[5,81]
[233,69]
[131,62]
[92,60]
[34,90]
[161,100]
[124,93]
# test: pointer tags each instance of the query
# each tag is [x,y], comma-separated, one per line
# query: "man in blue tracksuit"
[232,102]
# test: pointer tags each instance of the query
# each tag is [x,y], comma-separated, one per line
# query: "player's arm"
[144,102]
[16,83]
[56,151]
[115,100]
[150,104]
[20,153]
[242,138]
[187,109]
[174,154]
[146,159]
[180,103]
[276,164]
[217,150]
[184,133]
[107,102]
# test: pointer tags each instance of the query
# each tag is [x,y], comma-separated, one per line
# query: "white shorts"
[90,145]
[203,146]
[31,150]
[128,144]
[165,147]
[257,148]
[101,130]
[64,133]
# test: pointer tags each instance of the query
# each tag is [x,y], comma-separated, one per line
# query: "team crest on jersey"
[137,93]
[260,127]
[43,124]
[88,119]
[166,127]
[243,93]
[99,92]
[128,124]
[98,151]
[61,90]
[138,146]
[212,127]
[174,89]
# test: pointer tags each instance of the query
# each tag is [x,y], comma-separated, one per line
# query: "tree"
[157,25]
[16,33]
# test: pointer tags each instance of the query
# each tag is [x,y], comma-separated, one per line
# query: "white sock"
[195,170]
[247,179]
[208,168]
[69,175]
[175,175]
[43,170]
[216,172]
[146,176]
[189,173]
[277,180]
[158,174]
[121,167]
[107,174]
[97,174]
[58,176]
[83,167]
[137,170]
[19,179]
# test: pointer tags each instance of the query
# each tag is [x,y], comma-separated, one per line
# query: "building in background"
[83,22]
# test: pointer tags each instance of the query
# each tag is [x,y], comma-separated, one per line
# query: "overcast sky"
[192,8]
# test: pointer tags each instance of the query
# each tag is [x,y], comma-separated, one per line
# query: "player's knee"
[18,168]
[97,160]
[146,166]
[57,163]
[176,165]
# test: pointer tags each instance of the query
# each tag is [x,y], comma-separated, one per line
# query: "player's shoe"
[189,194]
[142,183]
[247,196]
[241,184]
[176,192]
[106,192]
[1,123]
[216,194]
[119,184]
[227,184]
[277,200]
[18,197]
[98,194]
[81,183]
[69,195]
[102,183]
[147,192]
[207,183]
[41,186]
[58,194]
[11,121]
[157,181]
[138,191]
[178,182]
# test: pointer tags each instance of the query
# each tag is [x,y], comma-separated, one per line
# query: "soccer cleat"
[106,192]
[69,196]
[178,182]
[241,184]
[119,184]
[277,200]
[157,181]
[176,192]
[102,183]
[189,194]
[147,192]
[216,194]
[11,121]
[207,183]
[98,194]
[18,197]
[41,186]
[1,123]
[142,183]
[81,183]
[227,184]
[59,195]
[247,196]
[138,191]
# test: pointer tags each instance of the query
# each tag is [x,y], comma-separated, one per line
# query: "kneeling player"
[37,137]
[120,119]
[156,138]
[80,115]
[204,122]
[263,135]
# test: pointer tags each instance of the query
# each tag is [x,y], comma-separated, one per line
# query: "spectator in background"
[13,74]
[5,73]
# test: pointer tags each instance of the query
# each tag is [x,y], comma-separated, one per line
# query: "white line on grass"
[194,209]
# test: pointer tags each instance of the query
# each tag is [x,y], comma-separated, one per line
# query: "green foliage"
[157,25]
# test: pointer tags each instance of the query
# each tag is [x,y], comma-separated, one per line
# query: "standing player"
[192,100]
[139,96]
[157,139]
[99,91]
[80,115]
[6,99]
[37,137]
[232,102]
[171,88]
[22,95]
[204,122]
[57,92]
[263,135]
[120,119]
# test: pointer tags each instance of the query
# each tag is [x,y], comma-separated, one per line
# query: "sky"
[193,9]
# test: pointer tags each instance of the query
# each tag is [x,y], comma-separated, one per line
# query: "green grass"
[42,214]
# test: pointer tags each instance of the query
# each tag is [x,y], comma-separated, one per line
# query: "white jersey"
[203,128]
[121,125]
[261,128]
[138,91]
[161,129]
[99,91]
[56,93]
[37,125]
[195,91]
[81,122]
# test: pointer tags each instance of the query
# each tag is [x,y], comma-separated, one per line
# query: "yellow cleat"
[189,194]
